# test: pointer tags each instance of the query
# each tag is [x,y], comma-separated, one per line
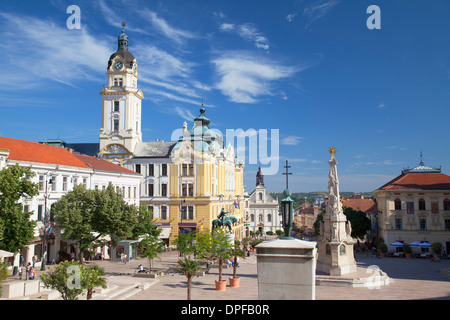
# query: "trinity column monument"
[336,245]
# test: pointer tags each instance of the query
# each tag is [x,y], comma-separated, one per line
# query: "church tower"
[121,105]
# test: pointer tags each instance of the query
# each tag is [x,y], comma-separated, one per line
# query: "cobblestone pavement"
[411,279]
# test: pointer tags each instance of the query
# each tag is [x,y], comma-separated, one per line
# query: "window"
[151,169]
[269,218]
[137,168]
[187,213]
[447,224]
[164,169]
[40,211]
[421,204]
[187,190]
[398,224]
[116,125]
[423,224]
[163,212]
[163,190]
[150,208]
[260,196]
[252,218]
[64,186]
[116,106]
[410,207]
[398,204]
[150,190]
[53,182]
[85,182]
[434,207]
[41,183]
[191,213]
[187,169]
[446,204]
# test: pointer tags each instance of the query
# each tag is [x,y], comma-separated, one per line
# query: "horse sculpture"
[224,221]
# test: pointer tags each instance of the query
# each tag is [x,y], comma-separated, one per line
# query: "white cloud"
[290,17]
[317,10]
[51,52]
[291,140]
[184,113]
[245,78]
[161,25]
[247,32]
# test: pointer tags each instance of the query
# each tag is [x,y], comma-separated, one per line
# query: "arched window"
[269,218]
[398,204]
[260,196]
[446,204]
[421,204]
[252,218]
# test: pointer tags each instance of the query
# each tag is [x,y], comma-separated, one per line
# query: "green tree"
[221,248]
[194,248]
[317,223]
[359,221]
[91,277]
[16,227]
[65,277]
[85,216]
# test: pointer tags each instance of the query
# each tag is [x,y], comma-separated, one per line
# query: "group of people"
[30,274]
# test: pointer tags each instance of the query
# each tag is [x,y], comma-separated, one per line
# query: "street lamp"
[286,214]
[46,196]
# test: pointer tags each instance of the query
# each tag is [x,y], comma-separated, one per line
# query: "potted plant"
[382,247]
[236,253]
[407,250]
[221,249]
[437,249]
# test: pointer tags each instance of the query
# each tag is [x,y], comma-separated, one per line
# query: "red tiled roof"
[421,181]
[364,205]
[102,165]
[29,151]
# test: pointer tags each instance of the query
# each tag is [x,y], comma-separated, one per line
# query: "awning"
[165,233]
[5,254]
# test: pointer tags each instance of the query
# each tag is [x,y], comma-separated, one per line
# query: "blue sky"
[311,69]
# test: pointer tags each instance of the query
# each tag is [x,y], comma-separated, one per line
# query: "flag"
[236,204]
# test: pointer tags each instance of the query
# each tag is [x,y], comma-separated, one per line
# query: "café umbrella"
[397,244]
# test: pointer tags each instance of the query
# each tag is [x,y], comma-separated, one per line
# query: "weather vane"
[123,24]
[332,151]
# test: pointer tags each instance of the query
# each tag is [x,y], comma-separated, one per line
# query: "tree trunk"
[189,284]
[81,256]
[89,294]
[220,269]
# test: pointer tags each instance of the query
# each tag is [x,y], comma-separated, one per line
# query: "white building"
[263,211]
[58,170]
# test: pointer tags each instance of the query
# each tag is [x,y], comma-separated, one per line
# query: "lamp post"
[287,205]
[44,245]
[286,214]
[182,202]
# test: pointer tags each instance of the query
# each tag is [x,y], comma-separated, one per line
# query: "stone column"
[286,270]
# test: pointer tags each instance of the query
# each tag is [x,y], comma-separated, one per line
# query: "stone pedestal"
[336,258]
[286,270]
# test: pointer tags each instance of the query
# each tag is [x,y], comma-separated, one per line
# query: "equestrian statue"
[224,221]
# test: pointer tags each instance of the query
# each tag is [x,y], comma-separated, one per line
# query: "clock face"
[118,65]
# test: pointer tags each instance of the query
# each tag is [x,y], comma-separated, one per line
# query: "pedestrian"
[34,260]
[125,258]
[27,271]
[20,272]
[32,273]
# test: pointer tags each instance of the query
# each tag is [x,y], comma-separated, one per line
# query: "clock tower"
[121,105]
